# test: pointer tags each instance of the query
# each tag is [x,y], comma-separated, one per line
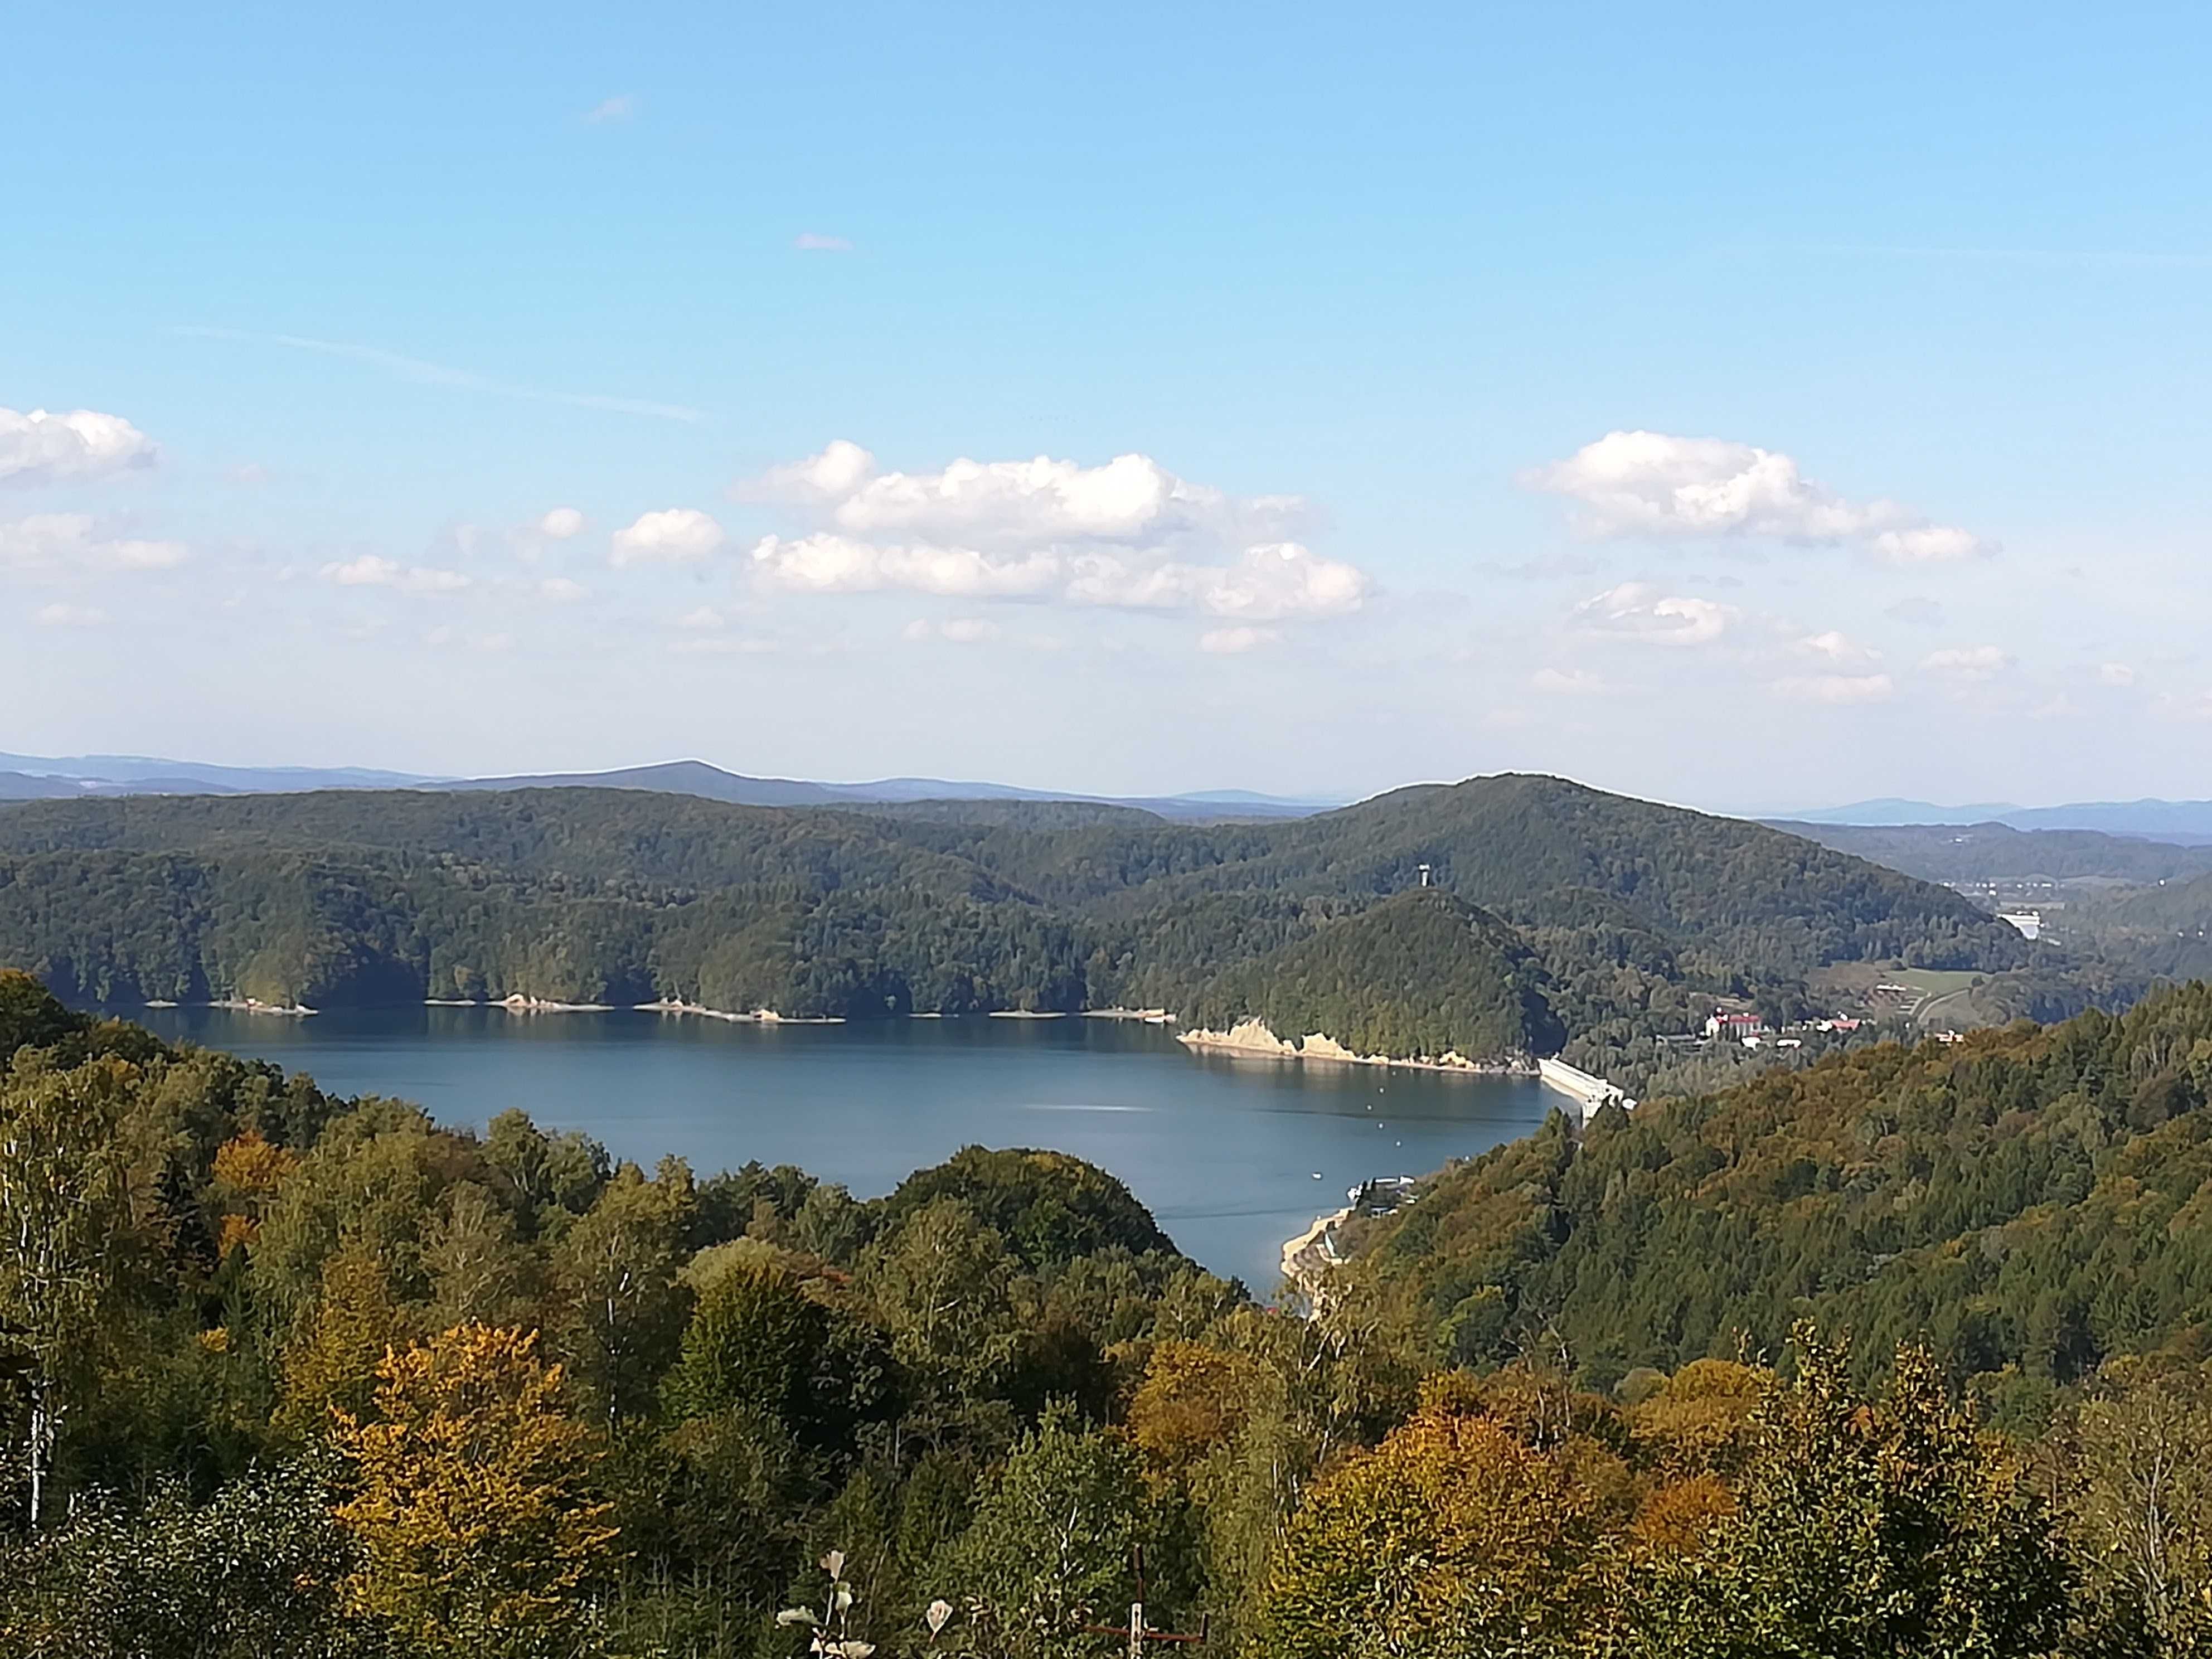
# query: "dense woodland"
[285,1374]
[1603,922]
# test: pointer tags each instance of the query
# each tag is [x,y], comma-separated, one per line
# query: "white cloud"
[1837,687]
[706,616]
[810,241]
[2116,673]
[562,590]
[837,470]
[1638,610]
[1568,682]
[1968,662]
[1128,534]
[561,523]
[1933,544]
[1265,584]
[1235,642]
[70,615]
[59,542]
[620,107]
[1653,483]
[372,570]
[677,534]
[1836,647]
[40,447]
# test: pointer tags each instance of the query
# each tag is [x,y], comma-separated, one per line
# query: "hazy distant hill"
[1605,915]
[2184,822]
[1998,852]
[151,774]
[56,777]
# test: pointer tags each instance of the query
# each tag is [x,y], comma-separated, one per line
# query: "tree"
[254,1573]
[1452,1538]
[1049,1547]
[2142,1454]
[617,1265]
[469,1253]
[1866,1527]
[475,1511]
[62,1206]
[750,1344]
[942,1285]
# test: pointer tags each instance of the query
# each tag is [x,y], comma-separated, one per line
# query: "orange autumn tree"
[1455,1537]
[474,1512]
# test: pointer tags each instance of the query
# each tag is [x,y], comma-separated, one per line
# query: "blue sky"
[1911,310]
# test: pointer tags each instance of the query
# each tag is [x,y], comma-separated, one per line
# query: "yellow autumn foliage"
[474,1507]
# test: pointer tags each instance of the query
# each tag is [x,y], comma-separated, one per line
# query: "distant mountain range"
[2187,822]
[32,777]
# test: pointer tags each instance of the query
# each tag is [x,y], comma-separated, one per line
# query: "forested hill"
[1630,916]
[2035,1201]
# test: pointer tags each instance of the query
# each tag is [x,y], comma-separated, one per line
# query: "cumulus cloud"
[562,590]
[1235,642]
[373,570]
[1836,688]
[1639,610]
[64,543]
[676,535]
[2116,673]
[1568,682]
[561,523]
[706,616]
[41,448]
[1968,662]
[1836,647]
[1128,534]
[813,241]
[70,615]
[1654,483]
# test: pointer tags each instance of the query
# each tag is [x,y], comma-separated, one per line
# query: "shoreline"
[1314,1238]
[758,1017]
[1251,1039]
[255,1005]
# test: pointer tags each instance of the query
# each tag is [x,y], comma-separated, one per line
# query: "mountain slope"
[1635,911]
[1422,973]
[2034,1200]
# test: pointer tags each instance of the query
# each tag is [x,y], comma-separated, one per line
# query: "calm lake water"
[1223,1150]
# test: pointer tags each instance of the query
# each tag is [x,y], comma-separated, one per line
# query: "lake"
[1223,1151]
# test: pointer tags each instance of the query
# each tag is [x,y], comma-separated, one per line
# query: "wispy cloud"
[811,241]
[620,107]
[424,373]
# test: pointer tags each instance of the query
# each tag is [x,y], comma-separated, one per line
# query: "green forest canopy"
[1630,917]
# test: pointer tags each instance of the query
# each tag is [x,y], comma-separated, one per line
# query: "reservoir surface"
[1223,1151]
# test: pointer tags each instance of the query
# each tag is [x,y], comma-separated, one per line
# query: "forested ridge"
[1628,918]
[2035,1200]
[286,1374]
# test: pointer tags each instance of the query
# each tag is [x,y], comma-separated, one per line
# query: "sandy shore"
[758,1017]
[1251,1038]
[1312,1241]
